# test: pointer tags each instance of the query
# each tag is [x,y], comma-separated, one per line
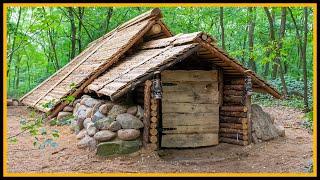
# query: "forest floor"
[291,153]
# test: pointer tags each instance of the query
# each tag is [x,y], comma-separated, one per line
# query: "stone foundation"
[105,127]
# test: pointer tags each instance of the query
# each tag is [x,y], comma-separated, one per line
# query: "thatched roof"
[94,60]
[115,63]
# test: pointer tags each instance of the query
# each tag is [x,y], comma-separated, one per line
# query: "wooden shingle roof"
[159,54]
[89,64]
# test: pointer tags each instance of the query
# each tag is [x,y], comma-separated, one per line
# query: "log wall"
[234,116]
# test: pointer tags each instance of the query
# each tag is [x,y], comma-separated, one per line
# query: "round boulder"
[105,108]
[116,110]
[83,112]
[64,115]
[87,141]
[81,134]
[132,110]
[114,126]
[104,135]
[140,112]
[86,122]
[103,123]
[96,116]
[68,109]
[128,134]
[128,121]
[89,102]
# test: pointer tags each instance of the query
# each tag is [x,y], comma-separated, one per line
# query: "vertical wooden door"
[190,108]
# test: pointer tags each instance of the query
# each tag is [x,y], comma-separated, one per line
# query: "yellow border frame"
[5,128]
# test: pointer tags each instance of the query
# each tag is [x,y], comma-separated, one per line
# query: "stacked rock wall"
[107,127]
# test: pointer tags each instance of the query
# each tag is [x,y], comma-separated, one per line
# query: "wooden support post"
[248,88]
[146,115]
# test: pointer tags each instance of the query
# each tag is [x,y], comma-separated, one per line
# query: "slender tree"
[222,28]
[304,61]
[252,19]
[73,33]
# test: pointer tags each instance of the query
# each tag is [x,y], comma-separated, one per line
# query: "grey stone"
[81,134]
[104,135]
[75,102]
[68,109]
[85,96]
[140,112]
[280,129]
[87,141]
[97,115]
[114,126]
[74,127]
[86,121]
[105,108]
[89,102]
[103,123]
[83,112]
[75,109]
[80,123]
[128,134]
[91,130]
[95,109]
[132,110]
[262,125]
[118,147]
[129,121]
[116,110]
[64,115]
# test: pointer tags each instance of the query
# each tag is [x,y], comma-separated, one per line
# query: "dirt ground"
[291,153]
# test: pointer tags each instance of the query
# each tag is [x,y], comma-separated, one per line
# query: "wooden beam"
[146,115]
[238,67]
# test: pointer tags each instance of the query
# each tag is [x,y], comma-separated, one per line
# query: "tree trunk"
[278,58]
[14,41]
[304,61]
[81,13]
[73,33]
[109,15]
[222,28]
[252,18]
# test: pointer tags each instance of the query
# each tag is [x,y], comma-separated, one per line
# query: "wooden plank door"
[190,108]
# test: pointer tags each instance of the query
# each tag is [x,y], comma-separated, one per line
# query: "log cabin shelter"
[193,93]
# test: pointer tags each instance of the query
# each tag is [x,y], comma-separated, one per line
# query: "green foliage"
[69,99]
[308,123]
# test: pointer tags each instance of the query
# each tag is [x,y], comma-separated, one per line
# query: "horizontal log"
[153,132]
[233,114]
[154,113]
[229,130]
[228,119]
[233,87]
[153,146]
[239,81]
[154,119]
[233,141]
[153,125]
[154,107]
[234,136]
[231,98]
[242,126]
[234,108]
[233,92]
[153,101]
[153,139]
[191,96]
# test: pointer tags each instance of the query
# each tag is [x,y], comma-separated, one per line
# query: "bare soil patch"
[291,153]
